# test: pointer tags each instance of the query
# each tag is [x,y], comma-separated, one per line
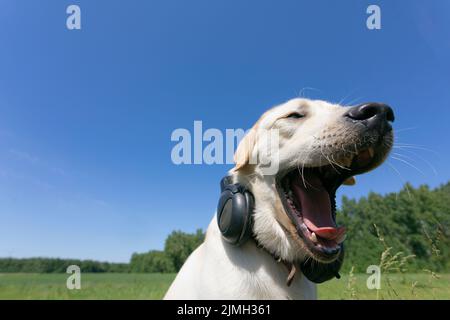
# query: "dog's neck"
[291,267]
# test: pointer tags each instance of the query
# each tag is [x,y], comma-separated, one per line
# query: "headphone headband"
[226,181]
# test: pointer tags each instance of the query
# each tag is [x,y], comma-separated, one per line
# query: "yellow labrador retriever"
[294,240]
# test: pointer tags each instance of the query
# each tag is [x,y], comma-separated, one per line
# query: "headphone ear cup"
[248,227]
[234,215]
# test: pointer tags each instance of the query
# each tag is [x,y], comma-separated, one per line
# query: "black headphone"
[234,212]
[235,220]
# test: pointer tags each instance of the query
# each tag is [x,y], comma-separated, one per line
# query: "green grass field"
[153,286]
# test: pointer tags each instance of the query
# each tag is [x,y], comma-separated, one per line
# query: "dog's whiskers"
[354,100]
[347,151]
[329,161]
[420,158]
[300,171]
[345,97]
[405,129]
[300,94]
[415,160]
[409,164]
[336,163]
[414,146]
[401,179]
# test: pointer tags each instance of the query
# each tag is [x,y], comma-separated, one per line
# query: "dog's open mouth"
[308,197]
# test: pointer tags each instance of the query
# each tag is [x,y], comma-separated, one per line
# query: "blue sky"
[86,115]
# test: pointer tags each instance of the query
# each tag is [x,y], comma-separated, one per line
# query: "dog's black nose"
[372,114]
[367,111]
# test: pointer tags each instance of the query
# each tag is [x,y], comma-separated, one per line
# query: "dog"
[294,241]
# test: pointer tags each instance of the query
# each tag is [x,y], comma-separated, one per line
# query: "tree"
[179,245]
[152,261]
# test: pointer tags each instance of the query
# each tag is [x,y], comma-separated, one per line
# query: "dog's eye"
[295,115]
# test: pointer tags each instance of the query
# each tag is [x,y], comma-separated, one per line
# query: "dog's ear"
[244,151]
[350,181]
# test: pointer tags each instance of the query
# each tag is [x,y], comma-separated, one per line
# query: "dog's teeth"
[371,152]
[303,227]
[314,237]
[347,162]
[341,238]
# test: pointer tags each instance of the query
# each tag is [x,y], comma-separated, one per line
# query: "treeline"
[56,265]
[177,248]
[413,222]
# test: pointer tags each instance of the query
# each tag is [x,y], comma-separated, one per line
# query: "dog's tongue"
[316,206]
